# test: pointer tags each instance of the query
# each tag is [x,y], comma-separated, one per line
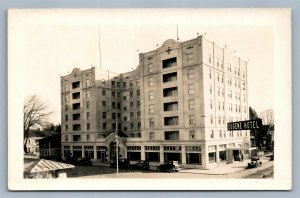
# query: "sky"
[46,44]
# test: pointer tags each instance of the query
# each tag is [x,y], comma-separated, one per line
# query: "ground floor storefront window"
[134,156]
[212,157]
[193,158]
[222,155]
[89,154]
[152,156]
[172,157]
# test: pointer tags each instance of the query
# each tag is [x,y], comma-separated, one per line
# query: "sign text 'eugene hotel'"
[244,125]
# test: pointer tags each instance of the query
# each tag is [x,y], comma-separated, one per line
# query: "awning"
[249,148]
[42,165]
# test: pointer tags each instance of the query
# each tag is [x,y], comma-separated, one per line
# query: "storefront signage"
[244,125]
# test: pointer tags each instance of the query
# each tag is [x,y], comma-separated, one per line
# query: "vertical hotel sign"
[244,125]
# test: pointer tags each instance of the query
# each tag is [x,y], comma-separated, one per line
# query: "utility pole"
[117,146]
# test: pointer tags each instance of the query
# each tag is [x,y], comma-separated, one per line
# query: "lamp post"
[117,146]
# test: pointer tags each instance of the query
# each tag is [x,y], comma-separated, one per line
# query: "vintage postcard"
[149,99]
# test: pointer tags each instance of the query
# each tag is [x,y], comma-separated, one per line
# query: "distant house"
[35,168]
[44,144]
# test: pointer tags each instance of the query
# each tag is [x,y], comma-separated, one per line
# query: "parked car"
[83,162]
[141,164]
[123,163]
[255,162]
[171,166]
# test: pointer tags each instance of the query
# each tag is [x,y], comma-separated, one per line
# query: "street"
[266,171]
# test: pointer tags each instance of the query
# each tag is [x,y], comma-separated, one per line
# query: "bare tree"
[35,115]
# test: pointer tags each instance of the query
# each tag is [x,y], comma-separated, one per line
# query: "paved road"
[107,172]
[264,173]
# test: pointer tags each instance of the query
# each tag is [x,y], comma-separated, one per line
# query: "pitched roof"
[42,165]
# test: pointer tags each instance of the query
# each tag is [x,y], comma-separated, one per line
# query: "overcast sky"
[46,44]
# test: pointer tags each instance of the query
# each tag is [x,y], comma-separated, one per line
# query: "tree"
[35,115]
[254,132]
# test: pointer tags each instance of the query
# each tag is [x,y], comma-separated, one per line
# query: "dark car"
[171,166]
[83,162]
[141,164]
[123,163]
[255,162]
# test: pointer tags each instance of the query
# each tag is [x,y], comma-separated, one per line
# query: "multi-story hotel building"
[174,106]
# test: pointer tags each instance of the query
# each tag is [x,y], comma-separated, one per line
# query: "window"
[151,108]
[151,95]
[168,63]
[219,105]
[209,73]
[230,107]
[76,127]
[66,107]
[132,125]
[192,134]
[87,115]
[218,62]
[218,77]
[151,68]
[218,91]
[66,127]
[138,83]
[76,106]
[76,138]
[66,138]
[131,94]
[151,135]
[190,58]
[209,58]
[244,86]
[124,97]
[87,137]
[104,126]
[87,93]
[87,82]
[103,103]
[191,73]
[212,134]
[131,83]
[171,135]
[222,78]
[191,89]
[210,104]
[151,123]
[171,121]
[229,93]
[138,103]
[118,85]
[150,81]
[113,116]
[170,92]
[131,115]
[88,126]
[76,95]
[170,77]
[138,93]
[192,119]
[125,108]
[66,118]
[66,87]
[124,85]
[171,106]
[229,80]
[219,119]
[103,92]
[104,115]
[210,89]
[75,85]
[118,106]
[113,84]
[113,94]
[220,134]
[131,104]
[229,67]
[211,119]
[192,104]
[113,105]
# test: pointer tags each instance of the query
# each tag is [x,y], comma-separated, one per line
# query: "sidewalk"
[228,168]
